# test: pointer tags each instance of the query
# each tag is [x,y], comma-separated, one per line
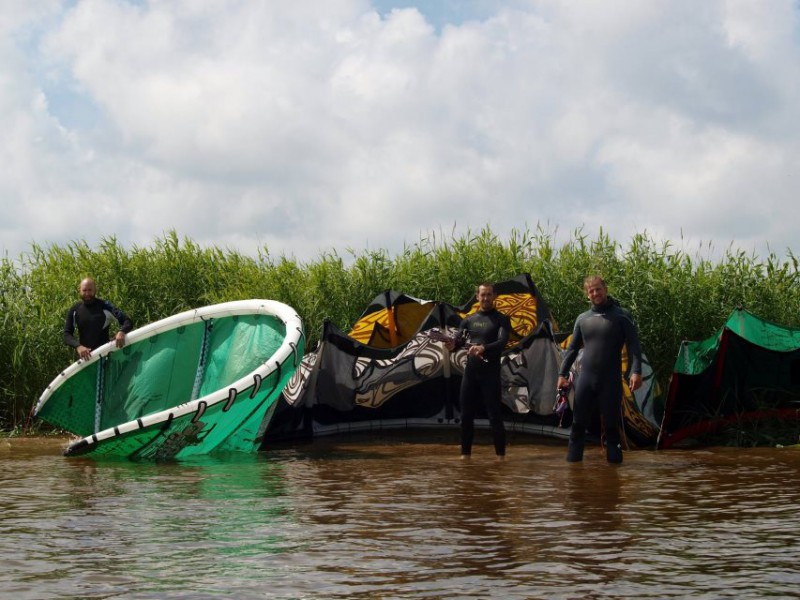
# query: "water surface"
[400,516]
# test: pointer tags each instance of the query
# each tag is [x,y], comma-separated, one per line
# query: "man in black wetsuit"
[92,318]
[602,331]
[487,332]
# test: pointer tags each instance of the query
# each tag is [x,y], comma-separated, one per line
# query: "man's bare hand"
[635,381]
[476,351]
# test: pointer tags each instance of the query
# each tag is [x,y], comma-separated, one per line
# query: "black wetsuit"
[489,329]
[92,321]
[602,331]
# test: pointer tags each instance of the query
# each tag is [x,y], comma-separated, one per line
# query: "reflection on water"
[400,517]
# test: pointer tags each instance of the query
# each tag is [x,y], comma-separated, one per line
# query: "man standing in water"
[92,318]
[602,331]
[487,332]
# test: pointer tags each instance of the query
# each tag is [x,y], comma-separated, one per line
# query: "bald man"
[92,318]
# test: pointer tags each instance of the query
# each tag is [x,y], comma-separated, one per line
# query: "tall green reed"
[673,295]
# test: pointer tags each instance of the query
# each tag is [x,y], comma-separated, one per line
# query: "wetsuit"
[481,379]
[92,321]
[602,331]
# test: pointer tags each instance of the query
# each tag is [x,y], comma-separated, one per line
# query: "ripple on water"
[401,520]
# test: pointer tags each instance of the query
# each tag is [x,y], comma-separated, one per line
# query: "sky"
[312,126]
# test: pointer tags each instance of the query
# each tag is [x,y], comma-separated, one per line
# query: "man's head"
[596,290]
[485,295]
[87,290]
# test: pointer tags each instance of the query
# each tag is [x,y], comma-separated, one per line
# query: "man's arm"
[125,323]
[503,333]
[570,355]
[574,346]
[460,337]
[69,330]
[632,341]
[69,335]
[634,351]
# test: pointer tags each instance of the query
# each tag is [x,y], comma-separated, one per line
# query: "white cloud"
[319,125]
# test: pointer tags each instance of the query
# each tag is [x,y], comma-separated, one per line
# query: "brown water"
[401,518]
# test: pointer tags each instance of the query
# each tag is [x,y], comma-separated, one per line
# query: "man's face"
[597,292]
[87,291]
[486,297]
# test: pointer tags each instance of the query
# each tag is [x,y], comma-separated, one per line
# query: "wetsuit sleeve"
[461,335]
[69,329]
[503,332]
[572,349]
[125,323]
[632,340]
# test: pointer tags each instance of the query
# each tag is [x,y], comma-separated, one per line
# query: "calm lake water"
[401,517]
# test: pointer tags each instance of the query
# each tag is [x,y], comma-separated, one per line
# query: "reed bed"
[672,294]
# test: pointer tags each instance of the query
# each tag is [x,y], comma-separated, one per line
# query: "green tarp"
[748,370]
